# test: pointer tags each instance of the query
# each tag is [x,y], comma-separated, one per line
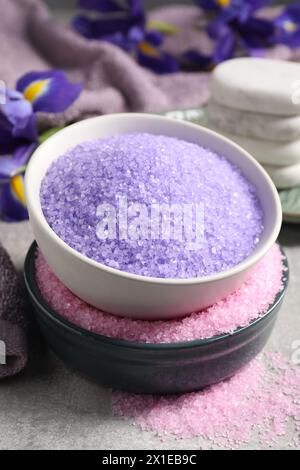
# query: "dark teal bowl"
[149,368]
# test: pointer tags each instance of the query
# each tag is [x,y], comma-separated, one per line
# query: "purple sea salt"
[109,200]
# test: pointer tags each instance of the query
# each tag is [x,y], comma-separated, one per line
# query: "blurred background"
[68,4]
[148,3]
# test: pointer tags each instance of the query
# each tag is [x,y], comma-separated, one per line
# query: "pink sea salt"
[250,301]
[260,402]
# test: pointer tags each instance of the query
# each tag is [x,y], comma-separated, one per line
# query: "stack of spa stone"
[256,103]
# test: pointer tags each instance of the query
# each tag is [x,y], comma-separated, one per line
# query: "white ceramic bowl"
[127,294]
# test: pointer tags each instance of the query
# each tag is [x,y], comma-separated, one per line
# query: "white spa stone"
[284,176]
[250,124]
[255,84]
[266,152]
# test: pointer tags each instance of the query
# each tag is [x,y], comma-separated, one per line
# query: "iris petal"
[101,27]
[8,168]
[22,154]
[156,60]
[19,113]
[154,37]
[17,133]
[17,188]
[224,47]
[7,142]
[104,6]
[136,9]
[50,91]
[196,60]
[148,50]
[27,132]
[36,89]
[11,208]
[14,165]
[230,10]
[287,27]
[133,7]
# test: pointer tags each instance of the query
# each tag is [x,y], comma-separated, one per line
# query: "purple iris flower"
[47,91]
[250,31]
[19,113]
[223,49]
[233,27]
[134,7]
[14,164]
[124,25]
[229,10]
[149,54]
[224,44]
[36,92]
[114,22]
[11,207]
[12,193]
[50,91]
[255,35]
[17,122]
[287,27]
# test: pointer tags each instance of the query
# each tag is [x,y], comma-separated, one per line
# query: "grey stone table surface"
[50,407]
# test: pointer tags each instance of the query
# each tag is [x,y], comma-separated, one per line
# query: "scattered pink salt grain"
[261,401]
[249,302]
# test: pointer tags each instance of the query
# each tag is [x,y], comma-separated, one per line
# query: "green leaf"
[49,133]
[165,28]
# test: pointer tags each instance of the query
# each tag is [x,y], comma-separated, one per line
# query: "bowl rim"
[245,264]
[35,294]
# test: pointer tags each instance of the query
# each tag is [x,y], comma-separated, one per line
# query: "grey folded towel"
[13,324]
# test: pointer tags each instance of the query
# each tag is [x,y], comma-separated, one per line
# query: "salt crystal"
[146,168]
[261,402]
[238,309]
[257,405]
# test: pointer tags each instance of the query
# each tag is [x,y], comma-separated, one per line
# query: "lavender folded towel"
[13,325]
